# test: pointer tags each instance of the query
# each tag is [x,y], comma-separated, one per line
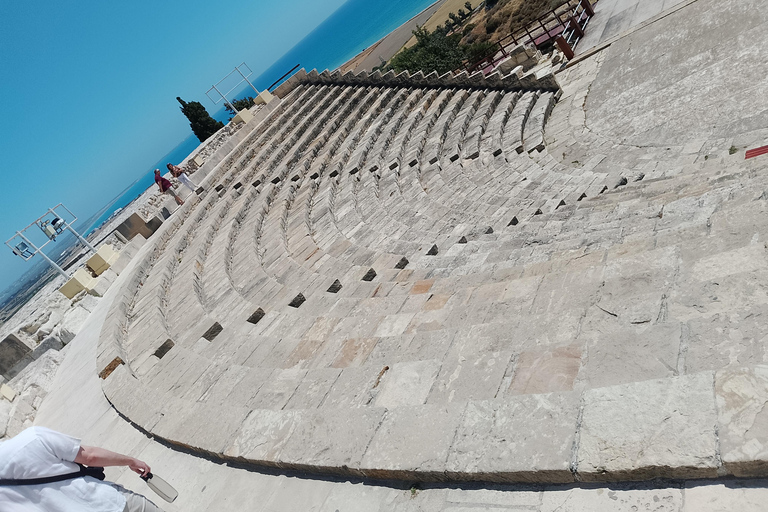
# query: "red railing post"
[587,7]
[575,26]
[564,47]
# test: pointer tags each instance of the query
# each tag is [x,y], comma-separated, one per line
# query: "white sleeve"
[62,446]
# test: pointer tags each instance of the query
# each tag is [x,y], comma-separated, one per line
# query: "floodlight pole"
[78,235]
[226,100]
[41,253]
[246,79]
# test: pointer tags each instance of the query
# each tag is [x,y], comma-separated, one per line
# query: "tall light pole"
[52,224]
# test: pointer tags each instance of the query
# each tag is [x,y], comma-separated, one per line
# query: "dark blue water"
[355,26]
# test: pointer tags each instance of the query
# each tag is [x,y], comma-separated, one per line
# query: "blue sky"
[87,91]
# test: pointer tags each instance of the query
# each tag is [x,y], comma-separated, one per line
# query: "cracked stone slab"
[661,428]
[521,439]
[413,439]
[330,439]
[263,434]
[742,397]
[618,353]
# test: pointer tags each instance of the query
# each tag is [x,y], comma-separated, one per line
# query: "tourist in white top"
[180,174]
[38,452]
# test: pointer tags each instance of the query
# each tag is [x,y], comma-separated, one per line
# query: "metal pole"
[226,100]
[89,246]
[249,82]
[49,260]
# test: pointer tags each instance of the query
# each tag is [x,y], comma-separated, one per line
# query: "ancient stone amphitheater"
[471,278]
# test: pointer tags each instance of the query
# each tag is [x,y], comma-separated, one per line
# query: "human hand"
[140,467]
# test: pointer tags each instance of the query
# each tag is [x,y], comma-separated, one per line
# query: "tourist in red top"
[165,186]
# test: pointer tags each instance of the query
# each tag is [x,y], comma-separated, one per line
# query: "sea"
[355,26]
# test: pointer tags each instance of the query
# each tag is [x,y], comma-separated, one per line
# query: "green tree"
[202,124]
[468,6]
[433,51]
[478,51]
[239,105]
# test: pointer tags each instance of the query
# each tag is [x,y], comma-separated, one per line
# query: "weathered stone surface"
[470,379]
[407,384]
[742,396]
[523,439]
[642,430]
[621,352]
[546,370]
[709,496]
[631,499]
[413,440]
[331,438]
[263,435]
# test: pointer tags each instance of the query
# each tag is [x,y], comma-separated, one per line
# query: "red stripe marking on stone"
[756,152]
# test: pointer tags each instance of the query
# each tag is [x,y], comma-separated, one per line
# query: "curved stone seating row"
[453,319]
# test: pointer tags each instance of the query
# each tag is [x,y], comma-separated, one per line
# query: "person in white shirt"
[38,452]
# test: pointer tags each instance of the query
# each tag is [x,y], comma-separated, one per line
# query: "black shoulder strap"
[95,472]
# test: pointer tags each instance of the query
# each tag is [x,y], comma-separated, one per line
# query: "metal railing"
[567,21]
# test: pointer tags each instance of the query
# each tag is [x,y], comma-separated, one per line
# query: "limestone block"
[22,415]
[407,383]
[81,280]
[313,388]
[89,302]
[215,434]
[72,323]
[412,439]
[103,283]
[102,260]
[620,353]
[40,373]
[566,290]
[546,370]
[521,439]
[243,116]
[471,378]
[7,392]
[648,275]
[750,258]
[353,388]
[742,397]
[278,389]
[263,435]
[331,438]
[659,428]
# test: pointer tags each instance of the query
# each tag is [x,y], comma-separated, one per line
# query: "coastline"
[390,44]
